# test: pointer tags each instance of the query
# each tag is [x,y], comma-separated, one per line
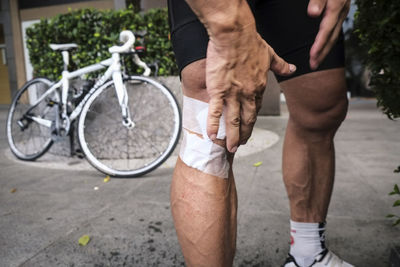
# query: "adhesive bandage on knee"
[200,152]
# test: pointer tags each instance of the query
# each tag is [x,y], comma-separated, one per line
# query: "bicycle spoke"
[129,151]
[151,114]
[32,139]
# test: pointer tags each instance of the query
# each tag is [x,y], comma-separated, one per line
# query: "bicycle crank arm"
[46,123]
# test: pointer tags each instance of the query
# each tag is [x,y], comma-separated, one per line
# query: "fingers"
[319,56]
[280,66]
[329,30]
[315,7]
[216,106]
[239,118]
[248,119]
[232,117]
[326,28]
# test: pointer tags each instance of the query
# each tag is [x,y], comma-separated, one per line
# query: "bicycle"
[127,125]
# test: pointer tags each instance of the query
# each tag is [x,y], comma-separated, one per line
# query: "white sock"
[307,241]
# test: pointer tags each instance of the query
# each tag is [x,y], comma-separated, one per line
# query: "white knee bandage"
[201,153]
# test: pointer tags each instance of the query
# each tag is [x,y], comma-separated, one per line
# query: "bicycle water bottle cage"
[79,89]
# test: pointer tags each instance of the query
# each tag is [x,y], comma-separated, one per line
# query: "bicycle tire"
[121,152]
[28,140]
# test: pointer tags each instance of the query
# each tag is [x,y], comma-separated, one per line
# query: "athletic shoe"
[324,259]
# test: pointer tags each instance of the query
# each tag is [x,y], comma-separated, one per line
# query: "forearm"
[223,18]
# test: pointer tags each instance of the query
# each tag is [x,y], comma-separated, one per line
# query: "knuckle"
[215,113]
[250,96]
[250,119]
[213,124]
[260,85]
[235,122]
[271,50]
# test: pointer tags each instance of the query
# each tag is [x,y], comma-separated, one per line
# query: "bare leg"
[203,206]
[317,105]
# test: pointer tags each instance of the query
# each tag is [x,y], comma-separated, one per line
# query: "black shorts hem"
[301,58]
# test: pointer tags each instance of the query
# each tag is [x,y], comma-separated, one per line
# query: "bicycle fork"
[122,95]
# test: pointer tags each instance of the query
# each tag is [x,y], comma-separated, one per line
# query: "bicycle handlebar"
[128,38]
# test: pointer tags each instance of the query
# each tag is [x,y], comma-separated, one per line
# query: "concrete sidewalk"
[129,220]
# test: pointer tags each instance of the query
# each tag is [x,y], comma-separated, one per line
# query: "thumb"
[215,108]
[281,67]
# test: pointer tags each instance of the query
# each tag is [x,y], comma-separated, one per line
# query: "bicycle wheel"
[28,126]
[116,150]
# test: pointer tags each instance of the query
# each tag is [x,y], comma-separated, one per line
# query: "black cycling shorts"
[284,25]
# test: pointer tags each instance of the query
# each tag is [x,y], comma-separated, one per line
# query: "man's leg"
[317,104]
[203,206]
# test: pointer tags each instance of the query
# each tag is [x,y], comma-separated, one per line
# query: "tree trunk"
[135,3]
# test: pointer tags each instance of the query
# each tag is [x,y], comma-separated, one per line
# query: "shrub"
[377,24]
[396,191]
[95,31]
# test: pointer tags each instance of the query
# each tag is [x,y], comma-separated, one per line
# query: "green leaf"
[84,240]
[396,189]
[396,222]
[390,216]
[257,164]
[396,203]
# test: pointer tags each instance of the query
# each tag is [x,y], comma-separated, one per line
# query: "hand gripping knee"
[197,149]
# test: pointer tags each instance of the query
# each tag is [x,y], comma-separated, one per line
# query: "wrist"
[229,36]
[229,24]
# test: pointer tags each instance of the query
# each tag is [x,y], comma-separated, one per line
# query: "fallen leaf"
[257,164]
[84,240]
[107,179]
[13,190]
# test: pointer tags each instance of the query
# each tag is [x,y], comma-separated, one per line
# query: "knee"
[194,80]
[322,120]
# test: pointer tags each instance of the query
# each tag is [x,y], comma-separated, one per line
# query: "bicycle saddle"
[63,47]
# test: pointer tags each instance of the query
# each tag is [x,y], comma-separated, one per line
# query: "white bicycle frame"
[113,71]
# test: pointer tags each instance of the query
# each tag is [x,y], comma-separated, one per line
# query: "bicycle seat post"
[65,56]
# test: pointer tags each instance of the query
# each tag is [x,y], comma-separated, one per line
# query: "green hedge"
[377,24]
[95,31]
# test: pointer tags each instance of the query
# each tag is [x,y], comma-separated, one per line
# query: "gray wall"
[146,4]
